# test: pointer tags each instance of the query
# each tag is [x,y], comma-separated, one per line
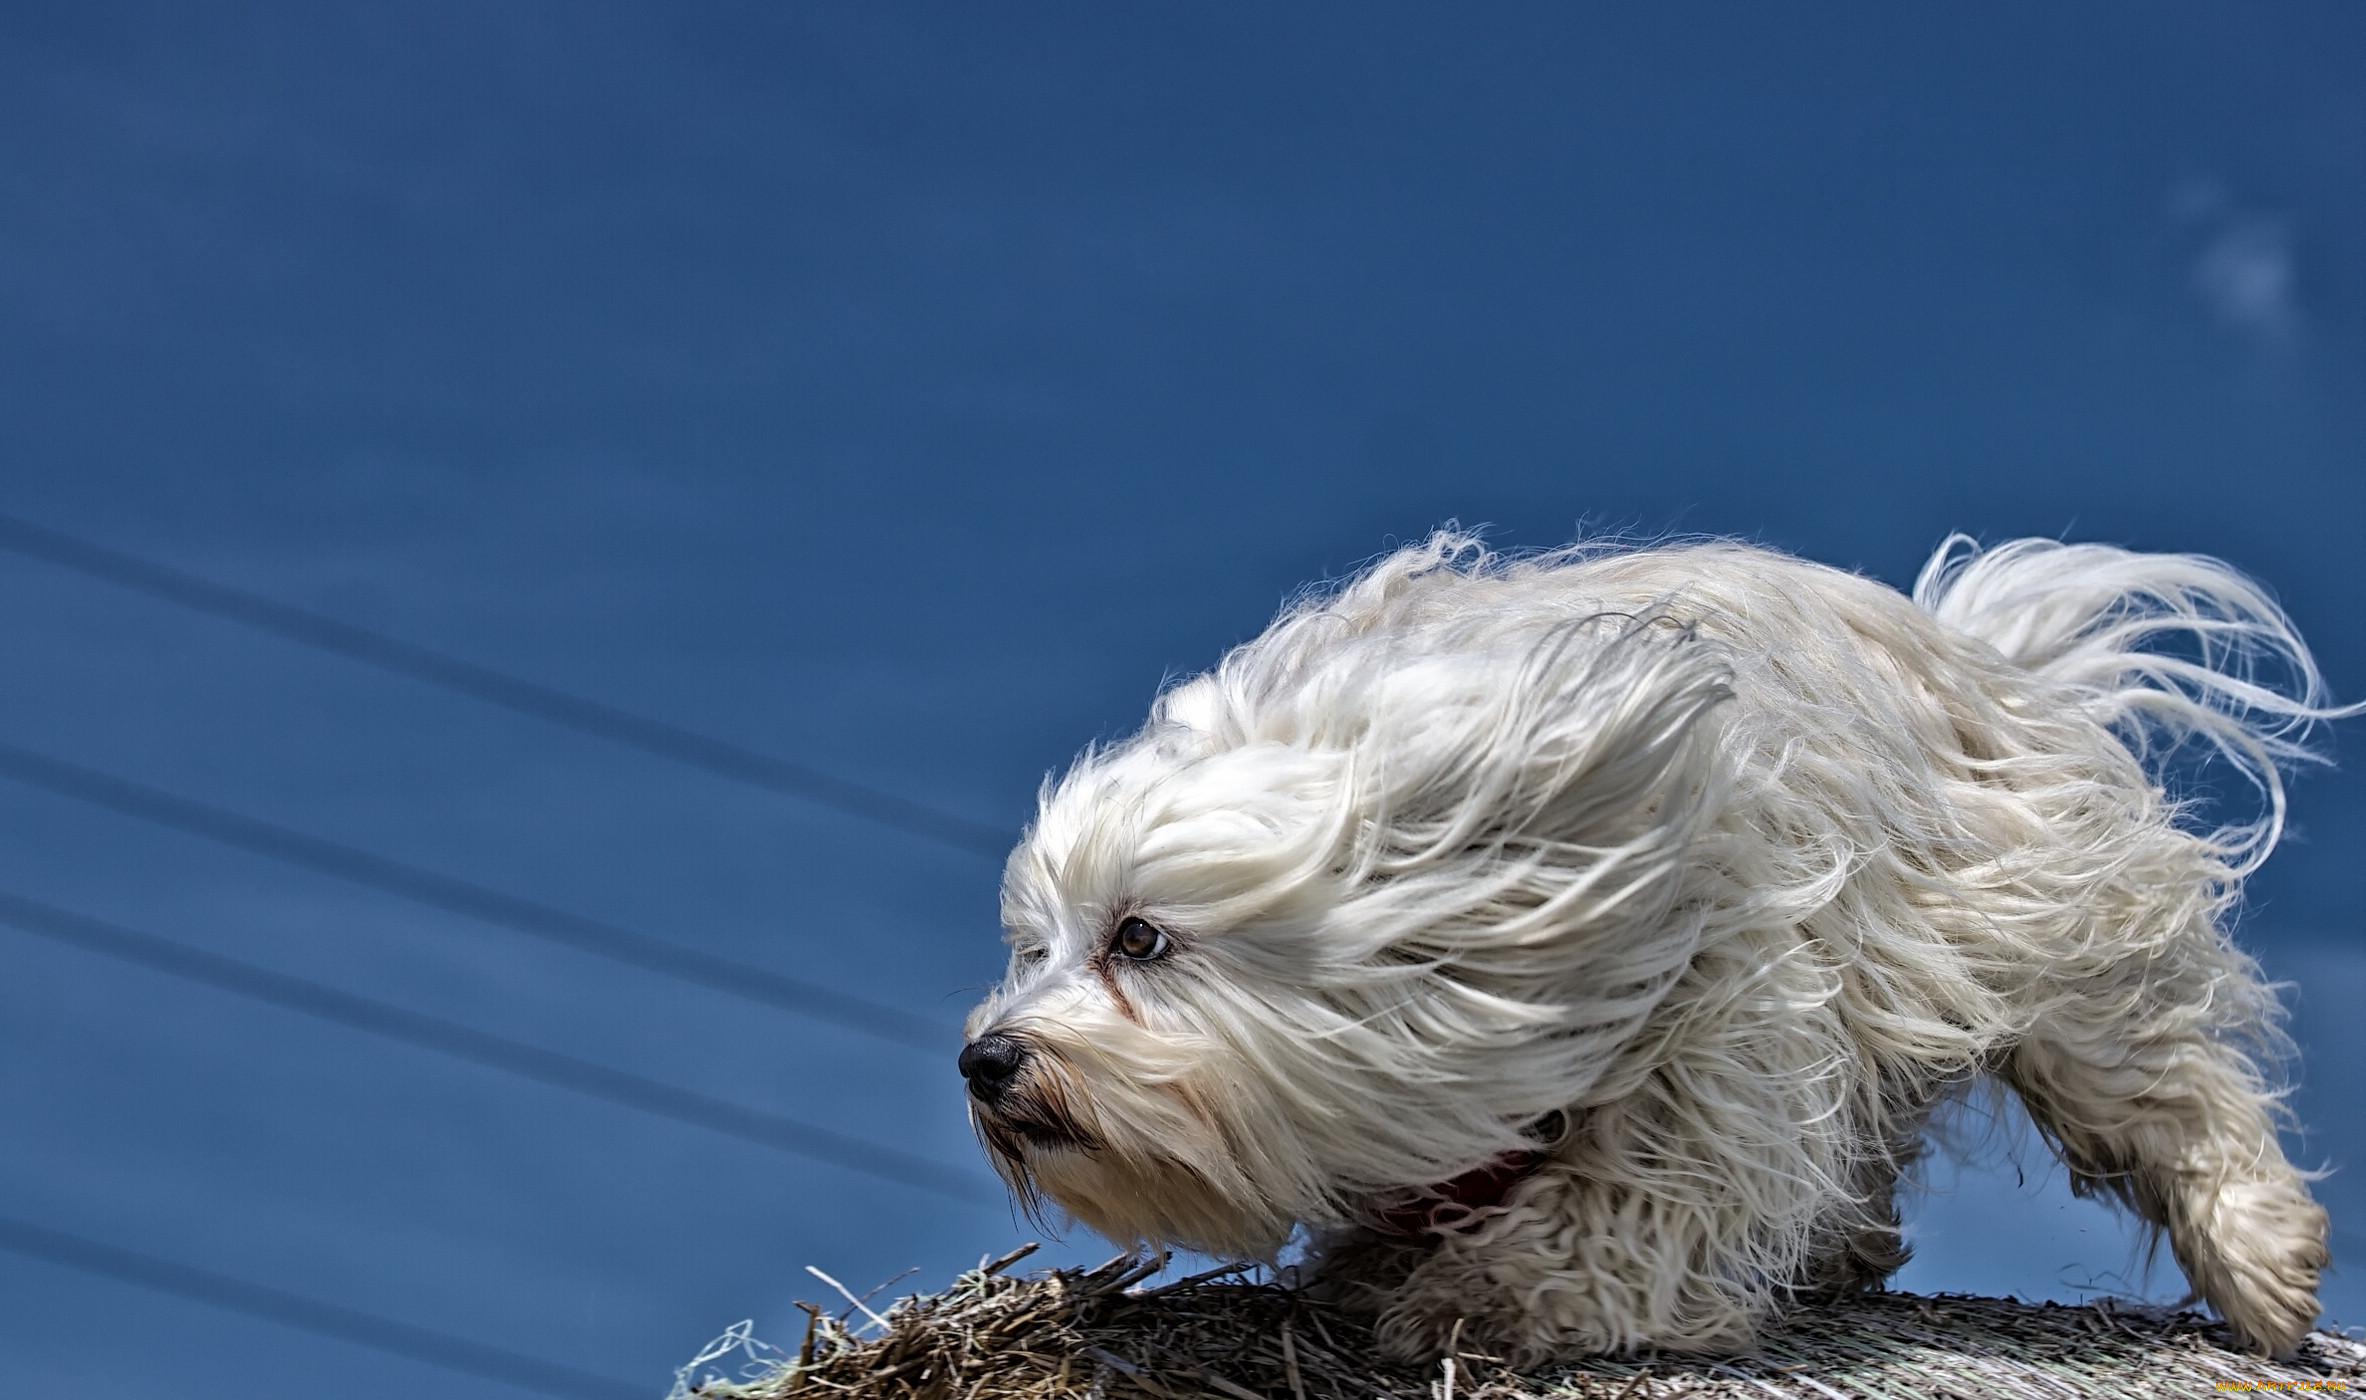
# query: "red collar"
[1453,1206]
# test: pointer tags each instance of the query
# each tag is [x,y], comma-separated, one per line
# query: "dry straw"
[1098,1335]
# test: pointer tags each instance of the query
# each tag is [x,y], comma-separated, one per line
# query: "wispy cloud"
[2245,273]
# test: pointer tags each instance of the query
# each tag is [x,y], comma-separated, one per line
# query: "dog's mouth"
[1033,1117]
[1013,1135]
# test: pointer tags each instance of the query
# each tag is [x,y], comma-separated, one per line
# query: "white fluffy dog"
[1577,945]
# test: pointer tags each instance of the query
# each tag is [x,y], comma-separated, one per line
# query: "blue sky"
[904,392]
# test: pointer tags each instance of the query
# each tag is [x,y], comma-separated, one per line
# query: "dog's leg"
[1686,1197]
[2179,1126]
[1361,1269]
[1573,1267]
[1860,1245]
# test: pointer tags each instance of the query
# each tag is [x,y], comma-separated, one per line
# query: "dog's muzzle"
[991,1064]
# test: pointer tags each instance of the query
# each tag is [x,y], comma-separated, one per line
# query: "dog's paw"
[1414,1337]
[2261,1261]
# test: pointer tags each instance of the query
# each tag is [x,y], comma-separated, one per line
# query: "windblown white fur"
[1739,863]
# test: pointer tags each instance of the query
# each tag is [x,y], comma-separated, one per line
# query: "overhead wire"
[599,937]
[581,713]
[497,1052]
[465,897]
[381,1334]
[391,1022]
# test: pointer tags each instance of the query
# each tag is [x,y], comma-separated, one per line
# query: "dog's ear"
[1604,745]
[1592,752]
[1532,847]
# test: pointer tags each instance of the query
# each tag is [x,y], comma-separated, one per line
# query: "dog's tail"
[2165,648]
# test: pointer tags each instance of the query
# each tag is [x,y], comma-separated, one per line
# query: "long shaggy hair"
[1662,892]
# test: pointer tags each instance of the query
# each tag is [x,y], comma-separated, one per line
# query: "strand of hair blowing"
[2089,617]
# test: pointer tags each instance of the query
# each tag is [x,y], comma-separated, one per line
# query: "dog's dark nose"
[990,1063]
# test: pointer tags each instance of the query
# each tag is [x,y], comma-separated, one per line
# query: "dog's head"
[1396,879]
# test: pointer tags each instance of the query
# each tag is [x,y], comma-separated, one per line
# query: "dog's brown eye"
[1140,940]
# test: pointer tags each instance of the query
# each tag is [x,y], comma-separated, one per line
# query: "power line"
[531,917]
[588,716]
[496,1052]
[307,1315]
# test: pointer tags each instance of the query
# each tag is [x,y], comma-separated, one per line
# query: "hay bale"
[1095,1335]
